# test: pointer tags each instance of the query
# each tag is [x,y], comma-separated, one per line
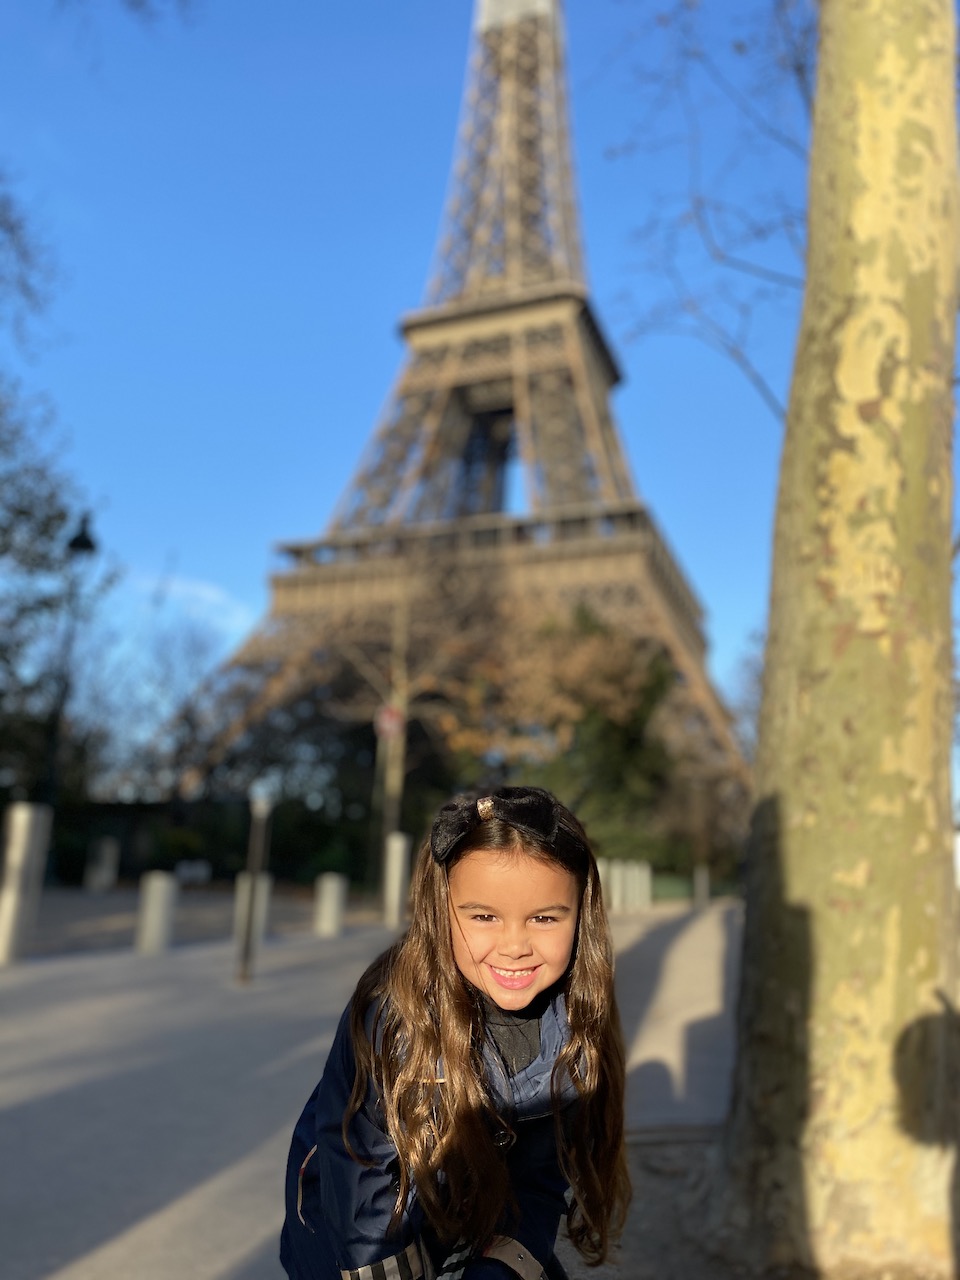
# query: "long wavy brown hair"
[424,1013]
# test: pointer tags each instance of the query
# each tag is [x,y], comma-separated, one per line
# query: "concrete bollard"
[329,904]
[629,886]
[645,889]
[103,863]
[632,887]
[615,901]
[26,839]
[396,878]
[158,904]
[701,887]
[603,870]
[261,907]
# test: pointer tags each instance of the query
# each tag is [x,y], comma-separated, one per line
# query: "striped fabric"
[404,1266]
[454,1263]
[511,1252]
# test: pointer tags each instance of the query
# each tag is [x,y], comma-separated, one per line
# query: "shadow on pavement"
[264,1264]
[654,1097]
[201,1076]
[639,968]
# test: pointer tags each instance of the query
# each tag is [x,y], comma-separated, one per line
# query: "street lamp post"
[81,545]
[262,800]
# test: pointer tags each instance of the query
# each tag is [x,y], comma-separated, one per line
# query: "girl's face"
[513,921]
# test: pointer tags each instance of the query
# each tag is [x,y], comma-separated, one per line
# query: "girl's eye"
[483,919]
[545,919]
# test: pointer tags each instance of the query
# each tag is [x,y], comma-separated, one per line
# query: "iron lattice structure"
[507,363]
[507,374]
[511,222]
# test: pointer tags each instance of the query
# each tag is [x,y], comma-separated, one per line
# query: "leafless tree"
[723,129]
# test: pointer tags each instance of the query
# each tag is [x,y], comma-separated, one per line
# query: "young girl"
[477,1075]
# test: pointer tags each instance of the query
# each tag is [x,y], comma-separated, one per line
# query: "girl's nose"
[515,942]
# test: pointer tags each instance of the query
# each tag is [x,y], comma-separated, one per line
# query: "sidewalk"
[70,920]
[146,1103]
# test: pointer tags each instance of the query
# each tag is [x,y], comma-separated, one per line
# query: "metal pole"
[396,879]
[258,850]
[373,869]
[395,763]
[393,780]
[81,545]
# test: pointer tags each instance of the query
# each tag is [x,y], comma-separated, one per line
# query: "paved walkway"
[70,920]
[146,1103]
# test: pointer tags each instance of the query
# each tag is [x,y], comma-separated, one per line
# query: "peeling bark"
[840,1148]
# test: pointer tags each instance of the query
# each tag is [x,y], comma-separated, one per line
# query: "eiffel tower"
[507,375]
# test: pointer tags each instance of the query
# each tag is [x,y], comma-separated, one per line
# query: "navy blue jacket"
[338,1211]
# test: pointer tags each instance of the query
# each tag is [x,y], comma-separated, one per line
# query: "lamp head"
[82,543]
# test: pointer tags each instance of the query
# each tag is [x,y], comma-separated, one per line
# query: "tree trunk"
[839,1148]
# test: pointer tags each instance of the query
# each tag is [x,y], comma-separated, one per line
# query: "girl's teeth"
[512,973]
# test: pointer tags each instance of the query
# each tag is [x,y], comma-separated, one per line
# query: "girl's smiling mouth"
[513,979]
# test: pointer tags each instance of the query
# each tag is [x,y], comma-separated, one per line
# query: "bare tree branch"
[26,264]
[145,10]
[700,211]
[795,23]
[749,111]
[700,207]
[715,89]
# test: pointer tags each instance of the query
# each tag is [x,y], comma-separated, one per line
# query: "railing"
[499,532]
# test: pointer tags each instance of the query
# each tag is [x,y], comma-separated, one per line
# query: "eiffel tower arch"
[497,443]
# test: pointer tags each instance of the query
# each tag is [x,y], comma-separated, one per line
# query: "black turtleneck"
[516,1032]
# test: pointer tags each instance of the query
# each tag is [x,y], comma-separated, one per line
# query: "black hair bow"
[530,810]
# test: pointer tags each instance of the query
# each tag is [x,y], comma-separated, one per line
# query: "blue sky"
[243,204]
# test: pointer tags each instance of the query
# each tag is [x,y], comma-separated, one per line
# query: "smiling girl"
[473,1096]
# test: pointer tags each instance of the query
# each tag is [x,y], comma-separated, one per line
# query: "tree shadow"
[187,1071]
[639,969]
[196,1117]
[757,1211]
[262,1264]
[926,1062]
[709,1044]
[700,1097]
[653,1081]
